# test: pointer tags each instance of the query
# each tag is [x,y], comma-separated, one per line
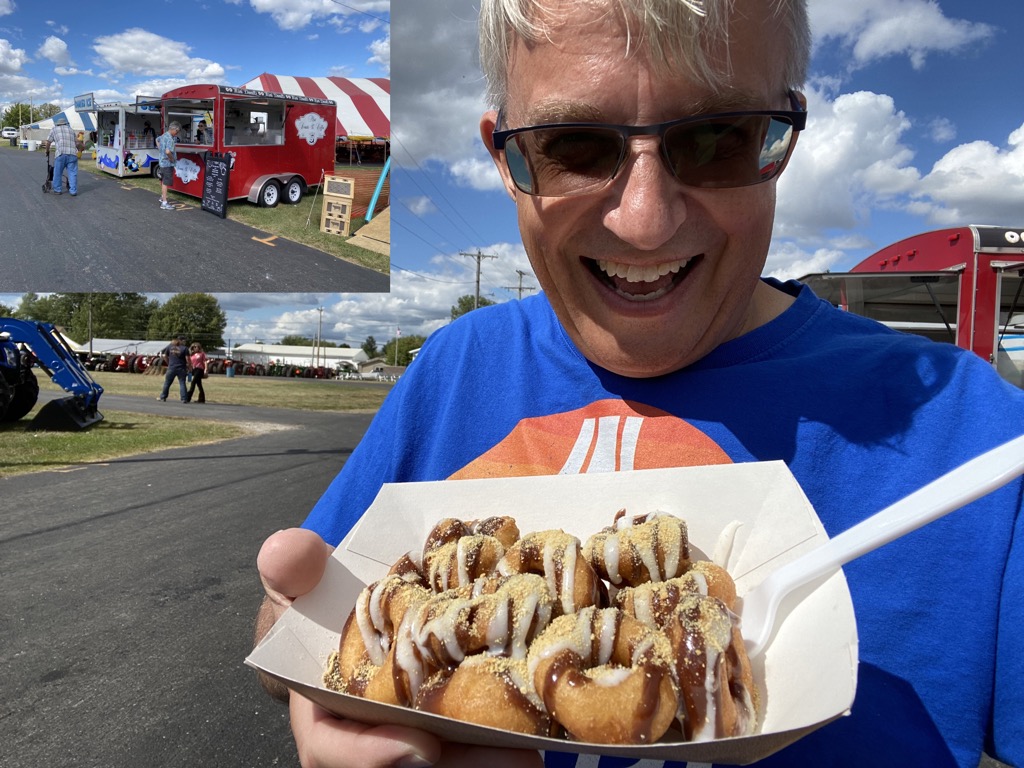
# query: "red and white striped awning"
[364,103]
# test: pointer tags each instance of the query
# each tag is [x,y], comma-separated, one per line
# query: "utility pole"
[317,343]
[521,287]
[478,256]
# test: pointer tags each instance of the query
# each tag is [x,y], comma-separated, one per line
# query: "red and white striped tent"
[364,103]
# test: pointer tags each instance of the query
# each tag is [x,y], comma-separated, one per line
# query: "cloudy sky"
[916,123]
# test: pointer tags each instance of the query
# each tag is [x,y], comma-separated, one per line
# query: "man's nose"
[645,204]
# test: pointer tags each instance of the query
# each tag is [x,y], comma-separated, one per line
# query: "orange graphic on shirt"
[605,436]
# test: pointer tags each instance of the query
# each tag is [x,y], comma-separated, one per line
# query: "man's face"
[709,245]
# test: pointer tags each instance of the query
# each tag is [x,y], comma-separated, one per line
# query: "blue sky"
[916,123]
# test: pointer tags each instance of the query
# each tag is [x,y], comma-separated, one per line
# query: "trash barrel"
[14,141]
[229,371]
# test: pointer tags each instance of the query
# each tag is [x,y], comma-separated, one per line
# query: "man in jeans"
[66,157]
[178,365]
[167,146]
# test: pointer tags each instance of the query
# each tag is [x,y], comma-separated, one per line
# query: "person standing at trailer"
[197,357]
[168,148]
[66,158]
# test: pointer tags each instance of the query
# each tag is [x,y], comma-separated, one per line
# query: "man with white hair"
[641,142]
[66,147]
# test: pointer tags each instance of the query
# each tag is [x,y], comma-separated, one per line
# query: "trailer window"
[249,122]
[196,118]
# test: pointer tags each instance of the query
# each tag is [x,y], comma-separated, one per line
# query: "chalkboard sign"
[215,183]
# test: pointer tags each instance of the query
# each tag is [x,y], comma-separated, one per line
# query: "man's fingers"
[291,562]
[324,740]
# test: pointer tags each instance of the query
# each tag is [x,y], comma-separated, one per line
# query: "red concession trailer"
[279,145]
[961,285]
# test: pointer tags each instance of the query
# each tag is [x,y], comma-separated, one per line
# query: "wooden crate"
[337,207]
[336,226]
[339,186]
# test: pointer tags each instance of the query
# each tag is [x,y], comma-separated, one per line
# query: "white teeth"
[636,273]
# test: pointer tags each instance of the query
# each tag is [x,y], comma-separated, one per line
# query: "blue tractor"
[26,344]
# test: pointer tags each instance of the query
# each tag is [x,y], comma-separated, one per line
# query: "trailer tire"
[294,190]
[23,398]
[270,194]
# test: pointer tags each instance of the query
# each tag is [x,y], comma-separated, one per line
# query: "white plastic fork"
[969,481]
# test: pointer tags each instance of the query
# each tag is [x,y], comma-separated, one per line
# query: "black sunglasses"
[716,151]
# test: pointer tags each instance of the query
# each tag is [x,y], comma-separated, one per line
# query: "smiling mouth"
[641,282]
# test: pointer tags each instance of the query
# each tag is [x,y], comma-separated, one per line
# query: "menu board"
[215,183]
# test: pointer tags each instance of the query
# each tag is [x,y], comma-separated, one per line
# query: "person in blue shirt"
[641,143]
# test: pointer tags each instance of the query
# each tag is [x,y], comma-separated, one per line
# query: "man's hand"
[291,563]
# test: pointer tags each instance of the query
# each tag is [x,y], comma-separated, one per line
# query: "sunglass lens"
[563,161]
[731,152]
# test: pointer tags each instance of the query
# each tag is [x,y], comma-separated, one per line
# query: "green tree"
[370,347]
[196,315]
[405,345]
[6,311]
[91,315]
[304,341]
[22,113]
[465,304]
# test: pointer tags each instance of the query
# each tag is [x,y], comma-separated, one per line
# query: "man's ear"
[488,122]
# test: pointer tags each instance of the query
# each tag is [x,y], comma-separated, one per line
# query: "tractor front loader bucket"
[67,414]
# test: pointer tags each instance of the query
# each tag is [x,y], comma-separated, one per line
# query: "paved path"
[130,589]
[114,237]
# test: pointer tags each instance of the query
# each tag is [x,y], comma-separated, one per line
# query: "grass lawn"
[287,221]
[119,434]
[123,433]
[270,391]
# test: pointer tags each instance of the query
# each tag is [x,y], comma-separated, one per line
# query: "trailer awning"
[364,104]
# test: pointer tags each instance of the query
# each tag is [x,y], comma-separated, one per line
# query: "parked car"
[9,133]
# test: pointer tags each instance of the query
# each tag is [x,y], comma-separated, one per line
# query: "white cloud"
[876,29]
[941,130]
[7,7]
[850,159]
[381,53]
[138,52]
[296,14]
[420,206]
[11,59]
[55,50]
[976,183]
[787,261]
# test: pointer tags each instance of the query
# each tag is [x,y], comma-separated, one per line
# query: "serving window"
[196,119]
[254,121]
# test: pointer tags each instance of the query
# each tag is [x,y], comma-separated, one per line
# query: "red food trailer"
[278,145]
[963,285]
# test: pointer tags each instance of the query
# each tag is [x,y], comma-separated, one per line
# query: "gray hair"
[676,32]
[174,126]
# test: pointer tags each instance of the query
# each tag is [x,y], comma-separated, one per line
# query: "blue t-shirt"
[861,415]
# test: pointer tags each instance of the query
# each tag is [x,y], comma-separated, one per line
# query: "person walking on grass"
[167,145]
[197,357]
[175,356]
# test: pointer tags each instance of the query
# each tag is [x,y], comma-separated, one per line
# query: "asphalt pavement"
[130,588]
[114,237]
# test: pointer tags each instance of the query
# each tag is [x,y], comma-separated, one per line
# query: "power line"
[521,286]
[357,10]
[479,257]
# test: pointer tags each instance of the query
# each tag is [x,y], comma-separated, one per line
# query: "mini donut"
[605,677]
[652,547]
[487,690]
[499,617]
[655,602]
[503,528]
[380,608]
[556,556]
[718,697]
[461,561]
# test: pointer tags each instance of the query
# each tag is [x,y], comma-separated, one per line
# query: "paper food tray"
[807,676]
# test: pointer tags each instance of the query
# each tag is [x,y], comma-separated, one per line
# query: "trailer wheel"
[23,398]
[154,170]
[294,190]
[270,195]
